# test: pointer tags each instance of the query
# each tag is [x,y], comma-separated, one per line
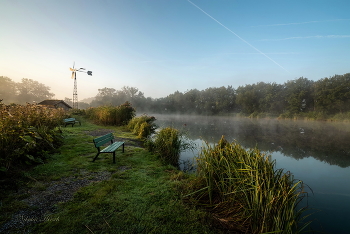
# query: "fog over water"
[317,153]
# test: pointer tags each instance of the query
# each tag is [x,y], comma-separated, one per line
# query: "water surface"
[318,153]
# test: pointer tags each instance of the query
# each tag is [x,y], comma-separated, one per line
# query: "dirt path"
[44,197]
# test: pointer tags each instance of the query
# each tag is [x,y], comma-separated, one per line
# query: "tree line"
[26,91]
[327,96]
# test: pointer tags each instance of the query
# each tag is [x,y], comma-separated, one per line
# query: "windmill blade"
[73,70]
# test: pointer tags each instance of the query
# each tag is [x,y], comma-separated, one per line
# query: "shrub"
[143,126]
[28,133]
[341,117]
[168,143]
[111,115]
[245,191]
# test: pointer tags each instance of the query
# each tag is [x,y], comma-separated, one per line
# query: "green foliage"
[80,112]
[292,99]
[341,117]
[27,133]
[111,115]
[332,95]
[30,90]
[245,191]
[26,91]
[168,143]
[142,126]
[7,90]
[136,195]
[110,96]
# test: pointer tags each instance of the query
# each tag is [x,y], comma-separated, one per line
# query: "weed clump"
[28,133]
[142,126]
[168,143]
[111,115]
[245,192]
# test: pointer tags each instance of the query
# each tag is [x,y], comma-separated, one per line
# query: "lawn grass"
[141,195]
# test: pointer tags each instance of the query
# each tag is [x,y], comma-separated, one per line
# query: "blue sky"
[161,46]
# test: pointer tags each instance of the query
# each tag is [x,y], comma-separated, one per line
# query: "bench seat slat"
[113,147]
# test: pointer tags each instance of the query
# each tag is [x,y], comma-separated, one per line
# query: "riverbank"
[71,194]
[307,116]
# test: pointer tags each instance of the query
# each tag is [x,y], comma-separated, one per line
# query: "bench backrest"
[99,141]
[69,120]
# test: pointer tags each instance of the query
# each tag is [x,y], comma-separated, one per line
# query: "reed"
[168,143]
[246,192]
[111,115]
[142,126]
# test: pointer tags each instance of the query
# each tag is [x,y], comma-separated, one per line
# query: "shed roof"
[53,103]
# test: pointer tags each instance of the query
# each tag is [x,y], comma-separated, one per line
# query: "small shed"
[55,104]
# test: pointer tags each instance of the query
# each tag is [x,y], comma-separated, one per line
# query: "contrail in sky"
[237,35]
[308,37]
[308,22]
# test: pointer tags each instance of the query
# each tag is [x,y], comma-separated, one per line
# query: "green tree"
[248,98]
[298,95]
[332,95]
[133,95]
[7,90]
[105,96]
[30,91]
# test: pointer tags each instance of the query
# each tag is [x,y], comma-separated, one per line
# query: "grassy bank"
[136,195]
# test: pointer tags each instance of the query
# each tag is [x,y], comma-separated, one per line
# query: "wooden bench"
[71,121]
[100,141]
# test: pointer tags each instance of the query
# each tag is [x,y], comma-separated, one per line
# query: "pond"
[318,153]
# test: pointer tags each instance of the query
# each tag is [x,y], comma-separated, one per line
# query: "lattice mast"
[75,92]
[75,89]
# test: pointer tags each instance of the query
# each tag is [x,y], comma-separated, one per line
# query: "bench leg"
[96,156]
[114,157]
[123,148]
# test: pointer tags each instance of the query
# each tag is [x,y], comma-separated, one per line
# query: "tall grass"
[168,143]
[245,192]
[27,133]
[142,126]
[345,117]
[111,115]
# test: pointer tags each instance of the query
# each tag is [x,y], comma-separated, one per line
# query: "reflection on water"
[317,153]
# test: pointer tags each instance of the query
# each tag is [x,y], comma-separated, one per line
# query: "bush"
[341,117]
[142,126]
[111,115]
[28,133]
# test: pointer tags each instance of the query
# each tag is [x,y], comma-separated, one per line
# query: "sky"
[163,46]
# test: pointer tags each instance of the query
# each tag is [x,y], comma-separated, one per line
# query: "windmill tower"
[75,89]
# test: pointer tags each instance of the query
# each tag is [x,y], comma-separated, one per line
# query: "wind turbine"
[75,90]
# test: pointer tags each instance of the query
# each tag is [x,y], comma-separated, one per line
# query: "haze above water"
[317,153]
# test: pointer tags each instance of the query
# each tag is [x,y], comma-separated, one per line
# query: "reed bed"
[142,126]
[111,115]
[28,133]
[168,143]
[245,192]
